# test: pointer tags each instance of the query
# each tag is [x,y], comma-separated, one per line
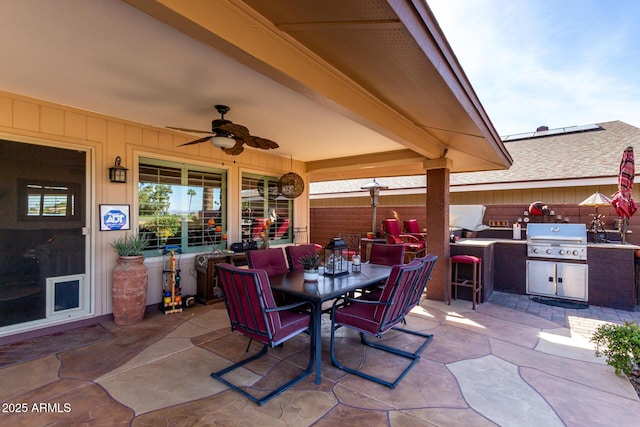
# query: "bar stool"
[475,283]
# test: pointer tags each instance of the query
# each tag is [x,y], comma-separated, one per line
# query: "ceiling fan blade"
[225,128]
[236,149]
[189,130]
[262,143]
[238,131]
[197,141]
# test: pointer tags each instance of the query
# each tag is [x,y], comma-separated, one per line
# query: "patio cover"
[386,65]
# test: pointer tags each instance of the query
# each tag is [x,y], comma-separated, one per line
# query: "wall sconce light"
[118,173]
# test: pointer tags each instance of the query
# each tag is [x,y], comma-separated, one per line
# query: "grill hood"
[567,233]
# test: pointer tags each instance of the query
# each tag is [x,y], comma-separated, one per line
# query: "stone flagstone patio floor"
[510,363]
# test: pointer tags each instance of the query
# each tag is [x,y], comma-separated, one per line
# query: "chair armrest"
[410,238]
[289,306]
[358,301]
[419,236]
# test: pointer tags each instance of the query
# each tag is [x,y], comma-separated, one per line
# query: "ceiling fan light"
[223,141]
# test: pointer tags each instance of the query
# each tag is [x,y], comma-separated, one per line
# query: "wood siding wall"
[29,120]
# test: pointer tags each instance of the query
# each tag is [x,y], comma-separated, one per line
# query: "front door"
[43,268]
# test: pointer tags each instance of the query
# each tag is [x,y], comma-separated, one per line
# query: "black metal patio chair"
[253,312]
[376,317]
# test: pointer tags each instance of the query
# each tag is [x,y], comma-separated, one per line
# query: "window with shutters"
[181,205]
[265,213]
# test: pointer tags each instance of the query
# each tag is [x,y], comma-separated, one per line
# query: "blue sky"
[548,62]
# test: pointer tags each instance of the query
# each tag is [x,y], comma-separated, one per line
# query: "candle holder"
[356,264]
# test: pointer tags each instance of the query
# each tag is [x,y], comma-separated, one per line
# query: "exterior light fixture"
[118,173]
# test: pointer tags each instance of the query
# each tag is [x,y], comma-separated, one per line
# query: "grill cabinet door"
[572,281]
[541,278]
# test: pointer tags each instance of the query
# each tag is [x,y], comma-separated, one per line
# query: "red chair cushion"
[386,254]
[272,260]
[379,318]
[289,323]
[414,246]
[282,229]
[359,316]
[393,240]
[391,226]
[466,259]
[294,253]
[246,305]
[411,226]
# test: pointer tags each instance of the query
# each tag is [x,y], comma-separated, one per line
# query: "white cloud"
[544,62]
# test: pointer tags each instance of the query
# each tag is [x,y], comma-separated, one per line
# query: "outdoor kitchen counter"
[611,280]
[484,249]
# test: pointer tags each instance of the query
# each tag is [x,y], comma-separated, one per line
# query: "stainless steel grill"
[557,241]
[557,261]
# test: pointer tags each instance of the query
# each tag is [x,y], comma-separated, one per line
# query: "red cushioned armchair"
[413,246]
[294,253]
[377,316]
[253,312]
[411,227]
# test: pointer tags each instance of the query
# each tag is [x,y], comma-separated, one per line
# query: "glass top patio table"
[325,289]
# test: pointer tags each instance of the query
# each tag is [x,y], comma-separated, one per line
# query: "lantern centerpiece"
[336,258]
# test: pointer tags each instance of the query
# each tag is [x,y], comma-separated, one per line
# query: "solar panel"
[551,132]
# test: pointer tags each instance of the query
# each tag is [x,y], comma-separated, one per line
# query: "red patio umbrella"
[622,199]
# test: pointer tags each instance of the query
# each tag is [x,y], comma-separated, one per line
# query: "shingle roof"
[582,155]
[572,155]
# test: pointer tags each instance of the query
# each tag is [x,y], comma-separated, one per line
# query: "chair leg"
[394,350]
[261,401]
[415,356]
[473,287]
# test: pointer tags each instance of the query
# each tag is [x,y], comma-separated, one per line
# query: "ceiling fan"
[230,137]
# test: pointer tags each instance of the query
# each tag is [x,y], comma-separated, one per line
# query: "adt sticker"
[115,219]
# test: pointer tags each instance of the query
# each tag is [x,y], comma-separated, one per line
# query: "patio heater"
[374,191]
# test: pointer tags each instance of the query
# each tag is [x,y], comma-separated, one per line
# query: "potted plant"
[310,264]
[129,279]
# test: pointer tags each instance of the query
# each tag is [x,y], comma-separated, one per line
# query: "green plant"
[130,244]
[163,227]
[620,344]
[310,261]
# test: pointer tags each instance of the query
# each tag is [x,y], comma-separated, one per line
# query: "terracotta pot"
[129,290]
